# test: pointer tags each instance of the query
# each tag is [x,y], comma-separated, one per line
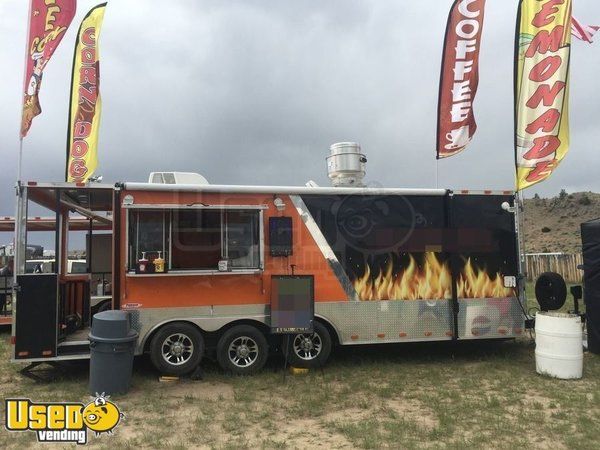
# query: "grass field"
[470,395]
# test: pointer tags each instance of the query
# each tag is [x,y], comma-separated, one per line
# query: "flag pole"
[20,160]
[17,267]
[17,257]
[27,43]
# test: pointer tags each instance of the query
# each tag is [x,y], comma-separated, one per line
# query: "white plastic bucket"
[558,345]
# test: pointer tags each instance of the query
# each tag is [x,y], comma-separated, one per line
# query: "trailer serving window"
[147,235]
[242,238]
[197,239]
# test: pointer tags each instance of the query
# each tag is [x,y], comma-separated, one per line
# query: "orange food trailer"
[199,267]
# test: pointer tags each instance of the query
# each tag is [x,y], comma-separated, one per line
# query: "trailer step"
[72,343]
[70,357]
[72,349]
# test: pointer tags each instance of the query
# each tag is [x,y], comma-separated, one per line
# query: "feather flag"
[86,105]
[583,32]
[542,54]
[460,77]
[48,23]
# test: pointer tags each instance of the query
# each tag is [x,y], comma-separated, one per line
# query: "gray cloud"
[254,92]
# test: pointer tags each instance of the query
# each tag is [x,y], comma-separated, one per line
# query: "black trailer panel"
[453,260]
[35,319]
[375,235]
[590,236]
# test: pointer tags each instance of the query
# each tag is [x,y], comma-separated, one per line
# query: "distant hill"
[553,224]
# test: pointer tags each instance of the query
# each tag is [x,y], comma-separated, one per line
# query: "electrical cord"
[526,315]
[533,308]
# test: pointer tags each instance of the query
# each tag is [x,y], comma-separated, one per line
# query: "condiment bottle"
[143,263]
[159,264]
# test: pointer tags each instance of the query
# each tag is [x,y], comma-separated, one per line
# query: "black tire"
[550,291]
[308,350]
[177,349]
[106,306]
[242,350]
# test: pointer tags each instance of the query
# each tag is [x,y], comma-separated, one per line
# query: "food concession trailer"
[198,267]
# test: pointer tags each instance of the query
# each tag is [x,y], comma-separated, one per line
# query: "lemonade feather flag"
[542,55]
[459,77]
[48,23]
[85,106]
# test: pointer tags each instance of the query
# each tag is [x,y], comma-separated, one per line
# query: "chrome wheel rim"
[177,349]
[307,346]
[243,351]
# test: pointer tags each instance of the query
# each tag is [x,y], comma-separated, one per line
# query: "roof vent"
[177,178]
[346,165]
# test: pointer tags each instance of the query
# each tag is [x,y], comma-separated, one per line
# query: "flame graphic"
[433,280]
[474,283]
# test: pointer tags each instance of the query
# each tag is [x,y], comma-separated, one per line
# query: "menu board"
[292,304]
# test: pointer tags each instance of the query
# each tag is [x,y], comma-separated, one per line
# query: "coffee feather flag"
[460,77]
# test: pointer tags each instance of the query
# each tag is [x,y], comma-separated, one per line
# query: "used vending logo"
[62,422]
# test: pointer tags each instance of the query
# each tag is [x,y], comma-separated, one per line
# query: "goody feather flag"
[542,53]
[460,77]
[583,32]
[48,23]
[85,105]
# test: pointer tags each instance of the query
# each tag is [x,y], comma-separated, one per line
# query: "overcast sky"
[255,91]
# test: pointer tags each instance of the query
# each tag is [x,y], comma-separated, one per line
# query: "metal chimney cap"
[346,164]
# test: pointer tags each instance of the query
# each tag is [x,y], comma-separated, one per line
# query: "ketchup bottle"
[143,263]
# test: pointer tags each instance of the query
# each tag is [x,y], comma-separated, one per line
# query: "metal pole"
[20,161]
[17,230]
[20,156]
[520,229]
[25,80]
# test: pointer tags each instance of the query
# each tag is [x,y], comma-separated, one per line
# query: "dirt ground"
[470,395]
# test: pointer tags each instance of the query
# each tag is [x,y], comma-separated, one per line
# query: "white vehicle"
[47,266]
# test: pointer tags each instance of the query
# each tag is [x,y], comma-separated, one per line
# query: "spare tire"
[550,291]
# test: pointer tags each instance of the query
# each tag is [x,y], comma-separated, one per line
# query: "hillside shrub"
[585,200]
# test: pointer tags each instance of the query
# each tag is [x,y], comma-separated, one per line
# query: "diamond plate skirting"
[362,322]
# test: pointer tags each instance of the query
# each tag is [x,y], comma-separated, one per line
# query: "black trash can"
[112,345]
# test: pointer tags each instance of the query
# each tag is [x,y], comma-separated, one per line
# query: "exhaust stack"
[346,165]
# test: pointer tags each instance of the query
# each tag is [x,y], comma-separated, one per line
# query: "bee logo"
[101,415]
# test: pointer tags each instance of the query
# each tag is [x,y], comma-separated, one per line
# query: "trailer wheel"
[242,350]
[308,350]
[177,349]
[105,306]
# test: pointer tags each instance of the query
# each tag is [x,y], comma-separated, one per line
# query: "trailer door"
[35,316]
[486,261]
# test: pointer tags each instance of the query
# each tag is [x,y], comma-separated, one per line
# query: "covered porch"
[56,296]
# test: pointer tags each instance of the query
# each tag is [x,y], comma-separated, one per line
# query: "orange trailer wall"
[177,290]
